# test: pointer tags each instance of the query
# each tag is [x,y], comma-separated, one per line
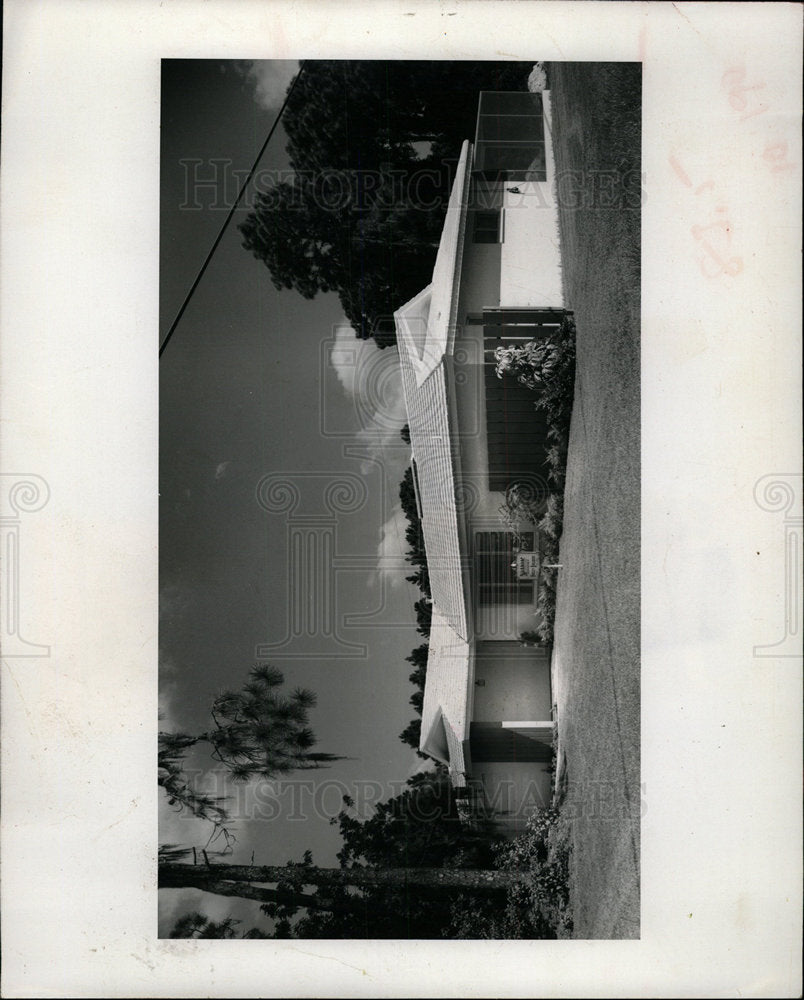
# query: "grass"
[596,138]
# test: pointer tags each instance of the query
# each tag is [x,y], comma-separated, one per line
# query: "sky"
[258,388]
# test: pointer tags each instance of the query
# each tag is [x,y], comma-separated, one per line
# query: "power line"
[228,219]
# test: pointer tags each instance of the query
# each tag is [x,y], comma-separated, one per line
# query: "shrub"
[533,364]
[537,904]
[548,367]
[521,508]
[537,81]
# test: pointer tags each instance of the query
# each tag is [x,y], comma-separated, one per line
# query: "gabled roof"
[425,334]
[447,270]
[432,453]
[446,692]
[424,326]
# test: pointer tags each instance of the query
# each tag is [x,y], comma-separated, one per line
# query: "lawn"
[596,667]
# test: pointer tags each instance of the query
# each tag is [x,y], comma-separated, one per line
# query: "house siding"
[530,265]
[517,682]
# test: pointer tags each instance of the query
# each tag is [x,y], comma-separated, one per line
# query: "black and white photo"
[399,426]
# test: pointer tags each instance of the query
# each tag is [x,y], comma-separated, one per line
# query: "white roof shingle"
[424,334]
[445,724]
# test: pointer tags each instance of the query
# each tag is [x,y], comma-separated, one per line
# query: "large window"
[495,569]
[509,143]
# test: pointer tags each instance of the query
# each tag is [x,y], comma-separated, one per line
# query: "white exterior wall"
[530,272]
[517,683]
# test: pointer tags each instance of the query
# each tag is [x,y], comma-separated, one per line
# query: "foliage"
[518,917]
[519,511]
[362,213]
[537,81]
[537,905]
[418,827]
[196,925]
[547,367]
[424,613]
[414,535]
[546,604]
[262,732]
[259,732]
[412,734]
[418,658]
[534,364]
[171,777]
[423,608]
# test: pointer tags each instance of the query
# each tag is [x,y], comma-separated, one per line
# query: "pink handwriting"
[713,237]
[736,89]
[743,98]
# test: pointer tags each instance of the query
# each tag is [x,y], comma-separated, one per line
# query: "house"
[487,708]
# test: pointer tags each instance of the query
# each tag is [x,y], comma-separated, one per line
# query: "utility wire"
[228,219]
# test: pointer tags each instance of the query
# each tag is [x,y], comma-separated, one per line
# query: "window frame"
[488,230]
[491,587]
[486,113]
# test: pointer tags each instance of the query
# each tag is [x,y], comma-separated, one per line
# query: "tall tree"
[401,869]
[421,826]
[258,732]
[424,614]
[417,556]
[363,211]
[411,735]
[418,658]
[174,875]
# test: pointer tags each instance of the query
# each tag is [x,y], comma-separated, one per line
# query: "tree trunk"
[207,882]
[172,875]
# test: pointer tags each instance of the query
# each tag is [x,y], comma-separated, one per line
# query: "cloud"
[346,354]
[391,563]
[168,692]
[371,377]
[270,79]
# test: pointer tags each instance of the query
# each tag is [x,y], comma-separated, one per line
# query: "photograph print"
[399,539]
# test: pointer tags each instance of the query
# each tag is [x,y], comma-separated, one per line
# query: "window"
[509,142]
[495,569]
[486,227]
